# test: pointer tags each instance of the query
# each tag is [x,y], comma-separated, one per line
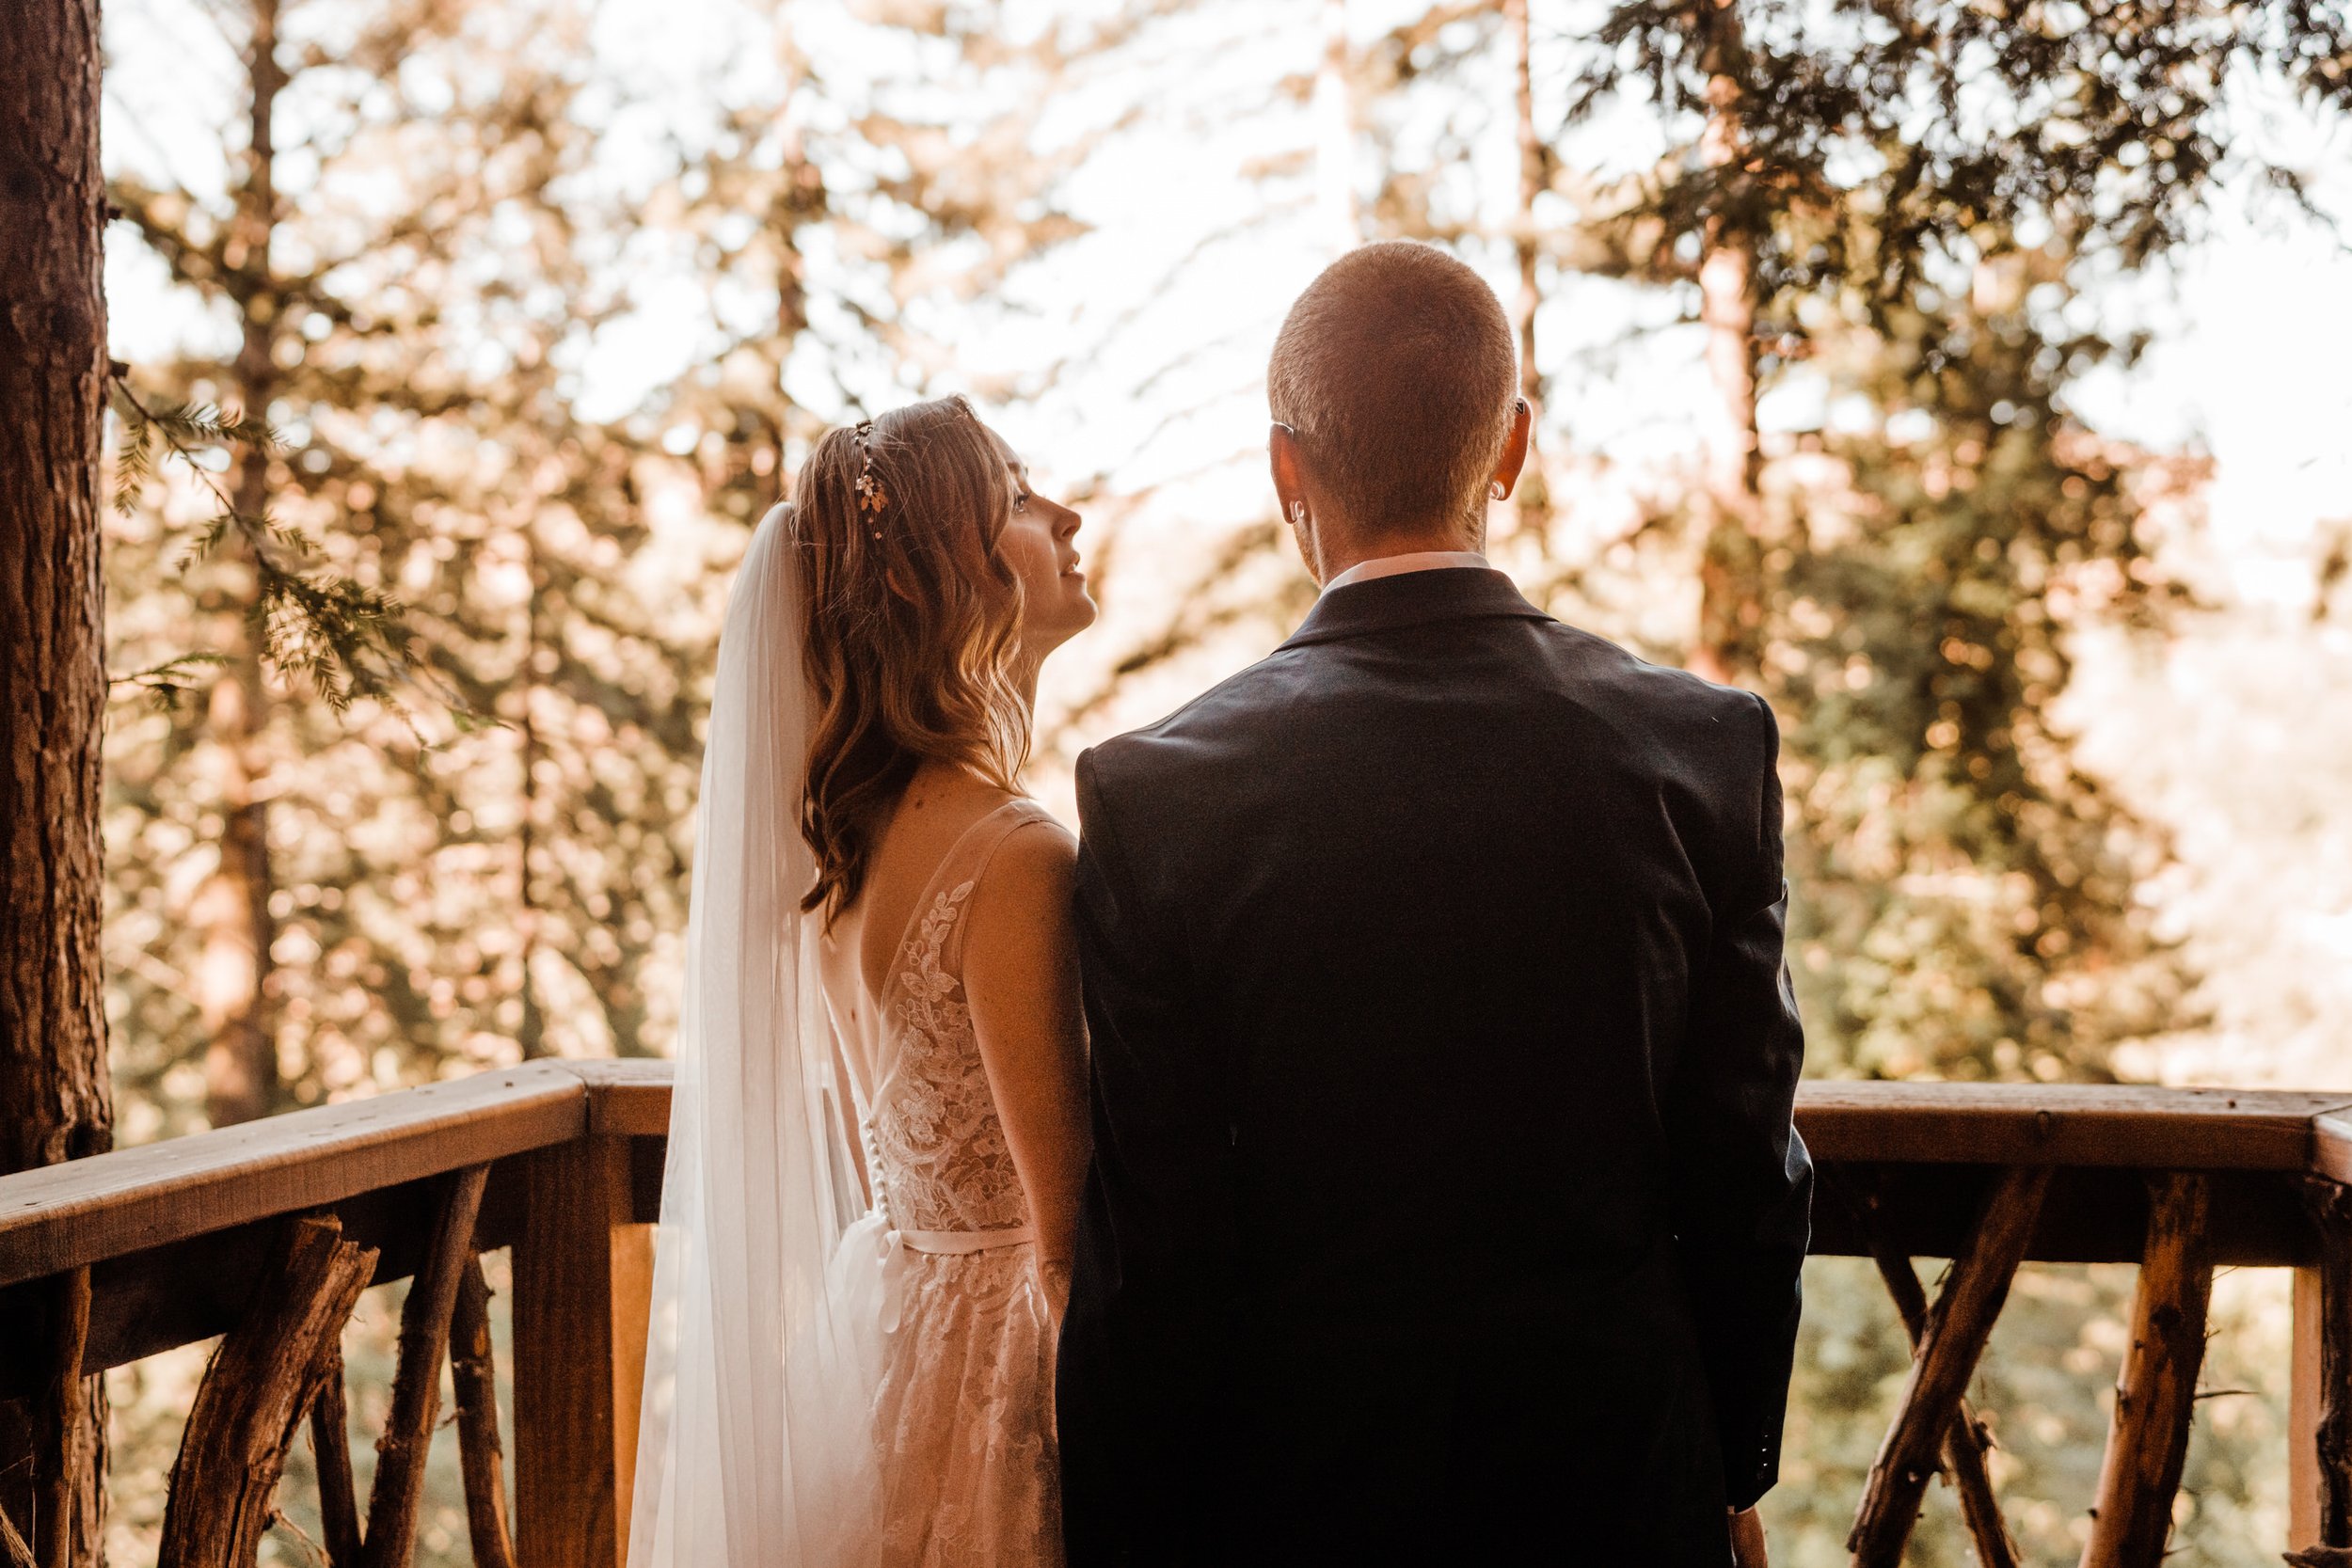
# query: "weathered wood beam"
[424,1319]
[253,1395]
[2063,1124]
[473,1373]
[2323,1397]
[192,1289]
[2155,1395]
[582,1282]
[63,1216]
[330,1446]
[1950,1343]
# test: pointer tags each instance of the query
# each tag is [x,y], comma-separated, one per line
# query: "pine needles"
[346,640]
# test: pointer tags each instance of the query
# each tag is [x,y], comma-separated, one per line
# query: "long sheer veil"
[754,1450]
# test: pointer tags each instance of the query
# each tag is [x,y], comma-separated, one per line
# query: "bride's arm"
[1021,978]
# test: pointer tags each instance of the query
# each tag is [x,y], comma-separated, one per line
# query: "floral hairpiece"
[871,497]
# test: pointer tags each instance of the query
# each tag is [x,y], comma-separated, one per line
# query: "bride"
[879,1130]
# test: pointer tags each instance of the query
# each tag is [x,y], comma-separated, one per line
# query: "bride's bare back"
[1019,971]
[954,994]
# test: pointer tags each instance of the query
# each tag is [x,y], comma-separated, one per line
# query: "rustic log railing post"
[2321,1427]
[255,1391]
[583,1288]
[2155,1395]
[1949,1345]
[13,1547]
[62,1422]
[425,1317]
[1968,1442]
[473,1375]
[330,1448]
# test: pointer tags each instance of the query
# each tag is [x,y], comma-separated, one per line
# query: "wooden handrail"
[2331,1155]
[2136,1126]
[176,1242]
[82,1212]
[70,1215]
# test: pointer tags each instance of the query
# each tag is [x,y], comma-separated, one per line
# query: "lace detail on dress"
[963,1416]
[945,1164]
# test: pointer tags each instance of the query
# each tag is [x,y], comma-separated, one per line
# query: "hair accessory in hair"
[871,497]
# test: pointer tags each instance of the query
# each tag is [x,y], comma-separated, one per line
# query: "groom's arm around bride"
[1445,1204]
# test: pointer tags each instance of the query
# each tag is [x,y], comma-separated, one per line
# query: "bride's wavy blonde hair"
[913,626]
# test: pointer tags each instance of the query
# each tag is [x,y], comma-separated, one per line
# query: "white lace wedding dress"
[963,1412]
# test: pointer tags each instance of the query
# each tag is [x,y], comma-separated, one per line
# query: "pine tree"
[56,1095]
[2103,127]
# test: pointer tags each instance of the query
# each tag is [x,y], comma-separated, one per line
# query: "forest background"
[2018,483]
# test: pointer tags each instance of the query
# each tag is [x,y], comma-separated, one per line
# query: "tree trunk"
[1731,587]
[1534,496]
[55,1100]
[234,993]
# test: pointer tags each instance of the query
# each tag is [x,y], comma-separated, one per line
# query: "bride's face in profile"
[1039,544]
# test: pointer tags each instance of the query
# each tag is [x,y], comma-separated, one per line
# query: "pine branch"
[346,640]
[169,681]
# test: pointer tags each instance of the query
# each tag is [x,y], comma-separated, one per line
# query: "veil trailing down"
[755,1443]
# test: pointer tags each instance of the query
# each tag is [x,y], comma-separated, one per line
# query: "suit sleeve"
[1744,1183]
[1153,1286]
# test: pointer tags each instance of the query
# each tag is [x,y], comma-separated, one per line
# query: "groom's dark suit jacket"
[1444,1201]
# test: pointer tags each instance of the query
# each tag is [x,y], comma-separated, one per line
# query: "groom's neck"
[1338,550]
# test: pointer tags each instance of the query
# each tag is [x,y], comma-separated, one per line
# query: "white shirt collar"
[1397,565]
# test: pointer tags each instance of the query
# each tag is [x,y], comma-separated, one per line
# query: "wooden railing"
[265,1234]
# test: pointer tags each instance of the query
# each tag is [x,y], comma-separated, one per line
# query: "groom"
[1445,1206]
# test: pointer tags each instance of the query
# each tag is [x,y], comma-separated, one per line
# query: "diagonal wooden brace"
[424,1319]
[1967,1443]
[256,1389]
[1950,1344]
[330,1451]
[473,1376]
[2155,1398]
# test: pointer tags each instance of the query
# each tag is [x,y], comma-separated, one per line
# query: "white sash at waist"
[955,1243]
[890,1247]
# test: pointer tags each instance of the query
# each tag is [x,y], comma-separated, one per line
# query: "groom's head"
[1394,388]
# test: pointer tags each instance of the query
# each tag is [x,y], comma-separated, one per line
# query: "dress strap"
[969,856]
[964,863]
[969,861]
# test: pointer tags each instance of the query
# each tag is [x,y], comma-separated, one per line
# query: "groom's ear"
[1514,449]
[1282,450]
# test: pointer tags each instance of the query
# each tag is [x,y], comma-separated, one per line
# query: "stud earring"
[1298,514]
[1495,489]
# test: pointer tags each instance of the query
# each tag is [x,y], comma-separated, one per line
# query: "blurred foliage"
[1968,895]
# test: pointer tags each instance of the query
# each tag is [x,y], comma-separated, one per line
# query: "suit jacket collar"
[1411,598]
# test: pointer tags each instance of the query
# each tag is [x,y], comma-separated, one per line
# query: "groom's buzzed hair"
[1397,372]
